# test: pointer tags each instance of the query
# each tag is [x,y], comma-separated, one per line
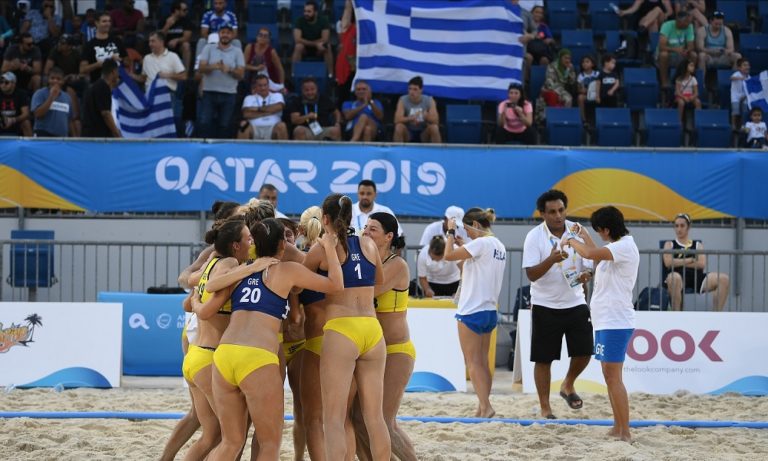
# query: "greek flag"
[466,49]
[144,116]
[756,89]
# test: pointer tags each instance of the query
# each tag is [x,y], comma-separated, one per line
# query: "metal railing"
[51,270]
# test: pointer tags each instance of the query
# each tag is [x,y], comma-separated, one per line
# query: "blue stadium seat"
[538,74]
[641,87]
[663,128]
[754,47]
[463,124]
[762,12]
[724,88]
[32,264]
[262,11]
[653,43]
[252,28]
[603,17]
[165,10]
[562,14]
[614,127]
[735,14]
[564,127]
[580,42]
[297,10]
[713,128]
[612,43]
[314,69]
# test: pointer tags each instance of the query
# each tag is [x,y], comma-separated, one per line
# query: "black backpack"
[652,299]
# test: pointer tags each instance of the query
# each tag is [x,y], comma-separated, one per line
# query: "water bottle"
[9,388]
[58,388]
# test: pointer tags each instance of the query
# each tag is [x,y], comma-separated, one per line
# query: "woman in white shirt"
[613,314]
[437,277]
[484,260]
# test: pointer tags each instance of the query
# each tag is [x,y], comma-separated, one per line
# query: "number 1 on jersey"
[359,272]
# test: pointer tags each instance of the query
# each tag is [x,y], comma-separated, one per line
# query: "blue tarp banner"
[412,180]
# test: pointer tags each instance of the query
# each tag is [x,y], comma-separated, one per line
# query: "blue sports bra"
[357,270]
[252,295]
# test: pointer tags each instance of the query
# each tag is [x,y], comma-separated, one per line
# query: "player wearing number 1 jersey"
[246,363]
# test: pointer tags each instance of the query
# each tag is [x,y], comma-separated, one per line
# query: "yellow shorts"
[314,345]
[402,348]
[236,362]
[196,359]
[291,348]
[365,332]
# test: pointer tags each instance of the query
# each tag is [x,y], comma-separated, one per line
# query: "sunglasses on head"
[684,216]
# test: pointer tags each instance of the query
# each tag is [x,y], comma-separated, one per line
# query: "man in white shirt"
[164,63]
[366,204]
[441,227]
[262,113]
[268,192]
[558,301]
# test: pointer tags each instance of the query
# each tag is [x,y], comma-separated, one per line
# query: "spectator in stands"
[128,23]
[686,89]
[738,95]
[14,108]
[262,59]
[714,44]
[88,28]
[314,116]
[686,272]
[97,104]
[25,61]
[178,30]
[222,66]
[539,40]
[262,113]
[363,115]
[52,107]
[104,47]
[213,20]
[269,193]
[66,57]
[44,25]
[650,14]
[366,205]
[757,135]
[6,33]
[346,57]
[74,30]
[559,85]
[587,82]
[696,8]
[441,227]
[515,118]
[165,64]
[676,44]
[608,83]
[312,34]
[437,277]
[416,117]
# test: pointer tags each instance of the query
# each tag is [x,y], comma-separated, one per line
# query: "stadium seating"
[713,128]
[538,74]
[564,126]
[314,69]
[612,43]
[580,42]
[663,128]
[641,87]
[262,11]
[614,127]
[762,12]
[464,124]
[562,14]
[724,88]
[735,14]
[603,18]
[754,47]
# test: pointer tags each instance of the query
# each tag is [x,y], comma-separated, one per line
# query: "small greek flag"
[144,116]
[756,89]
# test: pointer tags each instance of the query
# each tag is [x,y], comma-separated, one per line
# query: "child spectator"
[587,79]
[738,95]
[607,84]
[686,88]
[757,135]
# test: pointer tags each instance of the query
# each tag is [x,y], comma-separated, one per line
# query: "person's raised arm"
[225,278]
[452,252]
[313,281]
[211,306]
[202,258]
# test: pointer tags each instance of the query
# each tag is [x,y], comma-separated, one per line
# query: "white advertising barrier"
[68,344]
[438,354]
[699,352]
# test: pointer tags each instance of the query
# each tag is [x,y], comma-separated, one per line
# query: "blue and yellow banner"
[412,180]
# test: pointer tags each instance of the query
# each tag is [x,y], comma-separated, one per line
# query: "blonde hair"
[311,225]
[485,217]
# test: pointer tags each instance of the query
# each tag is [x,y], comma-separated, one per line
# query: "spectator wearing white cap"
[441,227]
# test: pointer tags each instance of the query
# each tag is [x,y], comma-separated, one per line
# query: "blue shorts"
[480,322]
[611,345]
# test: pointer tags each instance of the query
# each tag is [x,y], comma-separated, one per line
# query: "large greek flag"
[756,89]
[467,49]
[144,116]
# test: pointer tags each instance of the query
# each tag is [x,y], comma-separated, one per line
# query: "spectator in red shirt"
[128,24]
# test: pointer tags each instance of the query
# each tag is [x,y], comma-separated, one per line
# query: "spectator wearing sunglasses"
[44,25]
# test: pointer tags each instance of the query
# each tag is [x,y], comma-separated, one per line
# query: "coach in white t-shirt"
[440,227]
[558,302]
[366,205]
[484,260]
[612,311]
[263,112]
[437,277]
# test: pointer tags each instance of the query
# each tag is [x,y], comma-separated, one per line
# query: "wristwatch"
[451,232]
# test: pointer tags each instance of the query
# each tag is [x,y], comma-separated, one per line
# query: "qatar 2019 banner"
[412,180]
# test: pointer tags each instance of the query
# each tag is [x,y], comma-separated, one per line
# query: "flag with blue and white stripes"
[466,49]
[144,116]
[756,89]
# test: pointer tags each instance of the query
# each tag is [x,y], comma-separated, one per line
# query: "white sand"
[97,439]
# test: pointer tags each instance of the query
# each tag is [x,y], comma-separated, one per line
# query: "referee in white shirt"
[558,302]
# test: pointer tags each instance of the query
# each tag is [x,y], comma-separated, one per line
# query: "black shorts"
[444,289]
[548,327]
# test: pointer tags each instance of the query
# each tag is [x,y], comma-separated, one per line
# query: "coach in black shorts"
[558,303]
